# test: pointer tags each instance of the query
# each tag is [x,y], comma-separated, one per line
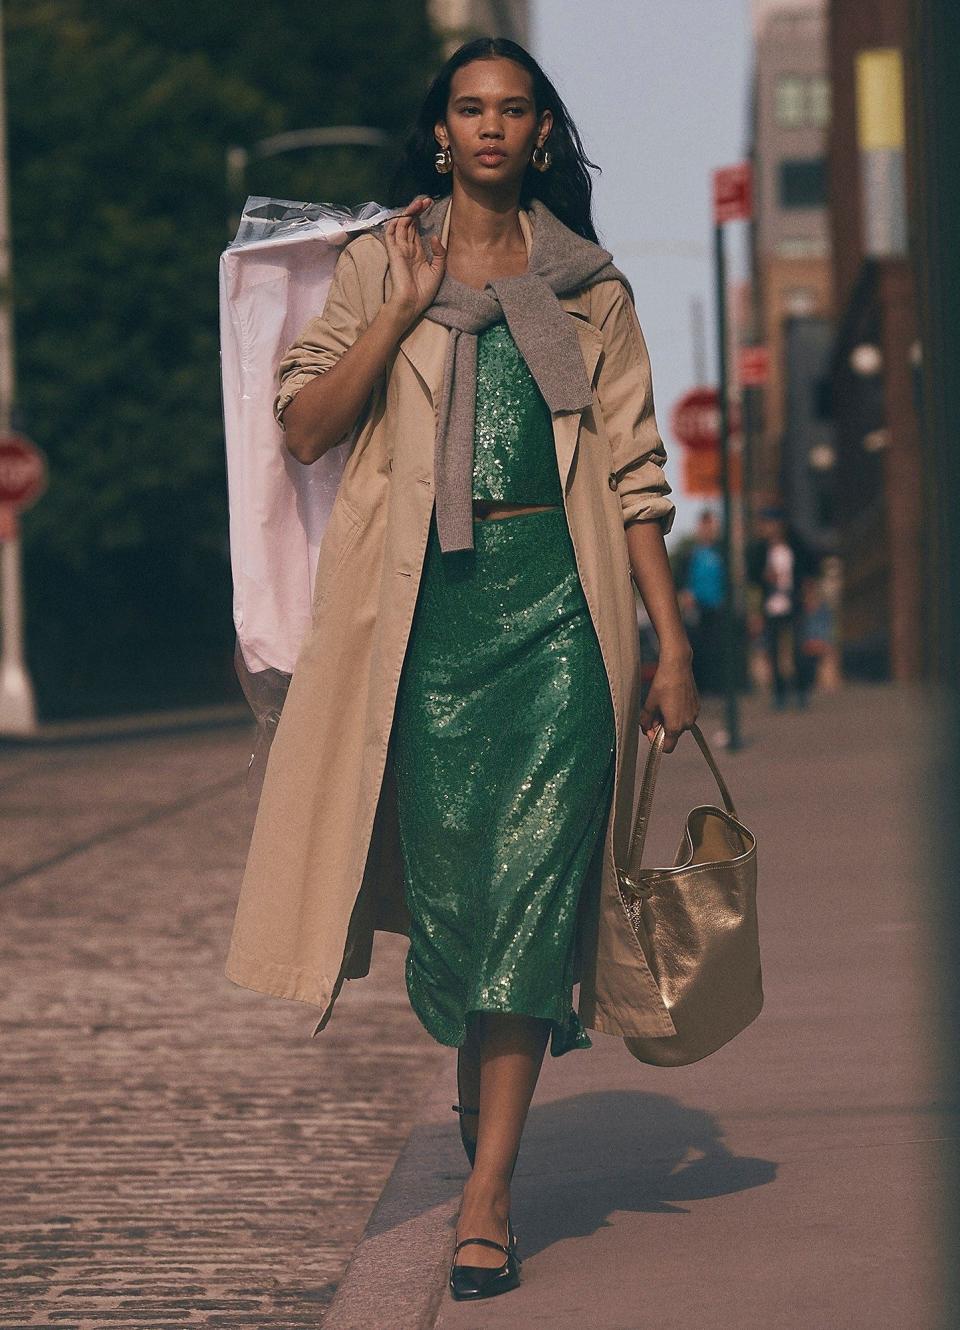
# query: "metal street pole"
[751,427]
[326,136]
[730,653]
[18,712]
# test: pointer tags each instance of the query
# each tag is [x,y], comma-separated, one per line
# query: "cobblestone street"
[176,1151]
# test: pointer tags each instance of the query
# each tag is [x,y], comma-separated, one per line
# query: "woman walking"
[456,755]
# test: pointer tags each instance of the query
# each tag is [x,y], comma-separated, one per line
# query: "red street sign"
[695,419]
[732,193]
[701,478]
[23,471]
[753,366]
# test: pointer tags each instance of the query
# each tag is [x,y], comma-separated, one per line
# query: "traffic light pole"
[730,653]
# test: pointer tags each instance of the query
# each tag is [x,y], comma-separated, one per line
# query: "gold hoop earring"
[443,161]
[541,159]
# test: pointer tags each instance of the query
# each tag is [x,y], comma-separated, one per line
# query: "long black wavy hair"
[566,188]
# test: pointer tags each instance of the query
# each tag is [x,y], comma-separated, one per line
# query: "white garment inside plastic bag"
[274,277]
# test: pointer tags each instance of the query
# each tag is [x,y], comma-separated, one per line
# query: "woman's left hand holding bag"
[671,701]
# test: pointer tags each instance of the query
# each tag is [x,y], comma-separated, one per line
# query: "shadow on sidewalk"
[589,1156]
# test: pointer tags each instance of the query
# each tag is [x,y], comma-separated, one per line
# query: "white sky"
[659,90]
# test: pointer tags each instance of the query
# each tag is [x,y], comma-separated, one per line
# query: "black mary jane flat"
[472,1282]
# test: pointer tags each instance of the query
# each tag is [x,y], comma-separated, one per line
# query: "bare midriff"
[486,508]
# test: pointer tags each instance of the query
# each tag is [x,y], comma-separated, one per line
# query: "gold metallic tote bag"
[696,923]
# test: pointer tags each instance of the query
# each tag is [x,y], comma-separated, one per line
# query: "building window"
[799,301]
[791,101]
[818,101]
[803,183]
[802,100]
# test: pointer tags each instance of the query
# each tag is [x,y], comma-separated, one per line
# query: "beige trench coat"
[324,870]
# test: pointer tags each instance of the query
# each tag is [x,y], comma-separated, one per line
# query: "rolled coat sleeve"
[625,392]
[326,336]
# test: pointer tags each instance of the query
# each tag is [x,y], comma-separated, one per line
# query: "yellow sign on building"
[880,115]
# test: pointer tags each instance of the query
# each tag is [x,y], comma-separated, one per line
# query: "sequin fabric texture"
[504,738]
[514,458]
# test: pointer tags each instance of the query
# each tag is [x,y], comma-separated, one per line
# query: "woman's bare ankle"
[490,1188]
[484,1211]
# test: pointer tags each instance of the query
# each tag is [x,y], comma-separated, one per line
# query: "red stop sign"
[23,471]
[695,419]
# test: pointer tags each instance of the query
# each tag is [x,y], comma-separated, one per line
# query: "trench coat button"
[612,480]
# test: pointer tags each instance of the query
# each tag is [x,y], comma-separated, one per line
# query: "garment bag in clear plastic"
[274,277]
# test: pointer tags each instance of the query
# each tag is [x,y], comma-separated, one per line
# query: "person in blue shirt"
[702,595]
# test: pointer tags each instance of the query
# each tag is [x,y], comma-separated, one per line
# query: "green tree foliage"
[120,115]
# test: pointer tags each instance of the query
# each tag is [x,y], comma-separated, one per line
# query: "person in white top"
[780,563]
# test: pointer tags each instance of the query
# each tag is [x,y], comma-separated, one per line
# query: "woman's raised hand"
[414,281]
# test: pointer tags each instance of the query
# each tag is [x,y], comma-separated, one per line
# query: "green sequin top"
[514,456]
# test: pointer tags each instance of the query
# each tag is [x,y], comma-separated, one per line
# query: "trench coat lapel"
[425,346]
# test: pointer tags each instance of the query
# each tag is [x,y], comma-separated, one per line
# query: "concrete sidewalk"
[793,1179]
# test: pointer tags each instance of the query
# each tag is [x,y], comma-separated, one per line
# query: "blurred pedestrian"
[781,565]
[455,758]
[821,636]
[702,597]
[820,642]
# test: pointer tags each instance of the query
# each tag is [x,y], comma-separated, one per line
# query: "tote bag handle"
[648,785]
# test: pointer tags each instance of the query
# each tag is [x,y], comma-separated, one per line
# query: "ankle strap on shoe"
[483,1242]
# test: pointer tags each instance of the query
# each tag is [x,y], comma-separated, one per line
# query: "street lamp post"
[732,202]
[329,136]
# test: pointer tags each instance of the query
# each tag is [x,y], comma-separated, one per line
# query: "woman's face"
[491,125]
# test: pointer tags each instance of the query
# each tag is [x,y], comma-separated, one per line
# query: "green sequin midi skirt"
[504,751]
